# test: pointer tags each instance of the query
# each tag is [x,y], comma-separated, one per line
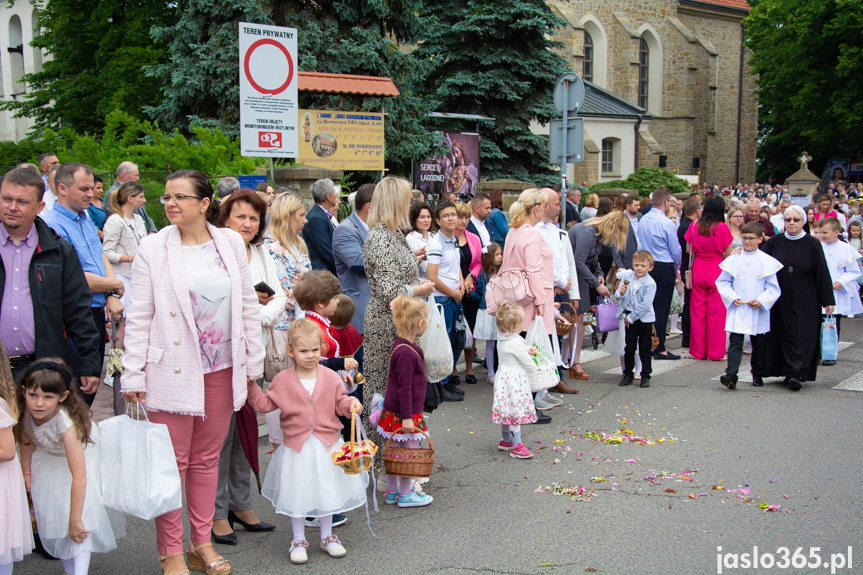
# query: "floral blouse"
[210,292]
[290,265]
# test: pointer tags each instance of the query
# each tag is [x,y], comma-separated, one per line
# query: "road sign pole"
[563,159]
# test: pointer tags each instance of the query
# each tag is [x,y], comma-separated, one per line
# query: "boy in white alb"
[842,259]
[748,288]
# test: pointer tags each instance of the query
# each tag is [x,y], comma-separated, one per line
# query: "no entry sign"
[268,90]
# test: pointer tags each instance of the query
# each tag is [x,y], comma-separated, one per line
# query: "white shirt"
[484,236]
[551,236]
[444,252]
[49,198]
[633,222]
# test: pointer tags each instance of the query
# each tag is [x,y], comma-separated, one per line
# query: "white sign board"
[692,179]
[268,91]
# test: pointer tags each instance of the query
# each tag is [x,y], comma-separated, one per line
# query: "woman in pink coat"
[709,239]
[526,250]
[193,340]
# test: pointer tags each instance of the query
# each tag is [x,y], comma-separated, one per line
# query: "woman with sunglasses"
[793,343]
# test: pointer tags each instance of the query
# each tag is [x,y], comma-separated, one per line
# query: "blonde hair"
[592,201]
[281,226]
[121,195]
[407,311]
[462,210]
[7,384]
[612,228]
[526,202]
[510,317]
[303,328]
[391,204]
[643,256]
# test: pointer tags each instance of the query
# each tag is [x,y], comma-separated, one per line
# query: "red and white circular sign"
[269,66]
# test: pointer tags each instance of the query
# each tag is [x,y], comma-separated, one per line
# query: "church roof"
[733,4]
[601,103]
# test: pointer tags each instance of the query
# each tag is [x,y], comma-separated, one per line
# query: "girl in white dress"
[302,480]
[513,404]
[60,459]
[16,533]
[485,327]
[615,342]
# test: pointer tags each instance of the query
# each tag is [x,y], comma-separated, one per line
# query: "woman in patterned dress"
[285,243]
[391,267]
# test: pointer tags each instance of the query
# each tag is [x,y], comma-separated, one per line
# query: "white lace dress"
[51,488]
[16,533]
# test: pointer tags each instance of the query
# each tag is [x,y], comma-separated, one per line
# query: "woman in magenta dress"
[710,239]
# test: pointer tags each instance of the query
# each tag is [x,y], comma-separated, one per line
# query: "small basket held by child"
[408,462]
[355,456]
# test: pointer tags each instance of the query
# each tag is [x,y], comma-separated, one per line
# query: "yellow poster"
[342,140]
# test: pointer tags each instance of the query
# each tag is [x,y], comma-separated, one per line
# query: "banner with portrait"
[837,171]
[456,171]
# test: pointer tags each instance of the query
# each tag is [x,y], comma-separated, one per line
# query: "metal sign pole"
[564,158]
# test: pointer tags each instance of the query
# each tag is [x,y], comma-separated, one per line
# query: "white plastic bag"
[468,337]
[436,345]
[546,359]
[138,467]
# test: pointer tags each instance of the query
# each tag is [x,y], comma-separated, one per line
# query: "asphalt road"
[649,509]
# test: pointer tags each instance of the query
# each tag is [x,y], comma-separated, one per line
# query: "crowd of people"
[248,302]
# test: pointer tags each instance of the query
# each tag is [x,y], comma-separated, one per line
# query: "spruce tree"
[346,37]
[497,58]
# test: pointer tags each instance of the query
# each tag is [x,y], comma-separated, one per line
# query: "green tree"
[808,55]
[98,49]
[342,36]
[497,58]
[645,180]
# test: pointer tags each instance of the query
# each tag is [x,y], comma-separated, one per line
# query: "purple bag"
[606,316]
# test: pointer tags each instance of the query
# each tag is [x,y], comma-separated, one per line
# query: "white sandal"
[298,551]
[333,546]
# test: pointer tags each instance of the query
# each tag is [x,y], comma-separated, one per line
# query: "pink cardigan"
[476,253]
[303,415]
[163,354]
[526,250]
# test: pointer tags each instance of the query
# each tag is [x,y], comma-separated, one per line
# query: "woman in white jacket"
[245,213]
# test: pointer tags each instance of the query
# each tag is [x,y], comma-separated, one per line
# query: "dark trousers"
[687,320]
[638,334]
[72,351]
[735,353]
[664,276]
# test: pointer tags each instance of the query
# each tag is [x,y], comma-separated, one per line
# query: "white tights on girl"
[79,565]
[511,433]
[489,357]
[402,485]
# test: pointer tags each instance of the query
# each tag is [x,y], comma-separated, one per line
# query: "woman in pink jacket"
[193,340]
[526,250]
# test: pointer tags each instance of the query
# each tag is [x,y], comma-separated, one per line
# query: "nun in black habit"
[793,347]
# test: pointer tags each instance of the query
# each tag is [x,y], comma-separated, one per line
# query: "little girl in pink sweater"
[301,479]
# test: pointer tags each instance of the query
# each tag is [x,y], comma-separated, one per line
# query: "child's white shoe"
[298,551]
[333,546]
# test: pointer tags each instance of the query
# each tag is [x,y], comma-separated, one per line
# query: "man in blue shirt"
[75,183]
[658,235]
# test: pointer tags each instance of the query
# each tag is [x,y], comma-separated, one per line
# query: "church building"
[667,84]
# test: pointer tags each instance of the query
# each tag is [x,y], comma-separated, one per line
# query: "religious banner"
[837,171]
[342,140]
[457,171]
